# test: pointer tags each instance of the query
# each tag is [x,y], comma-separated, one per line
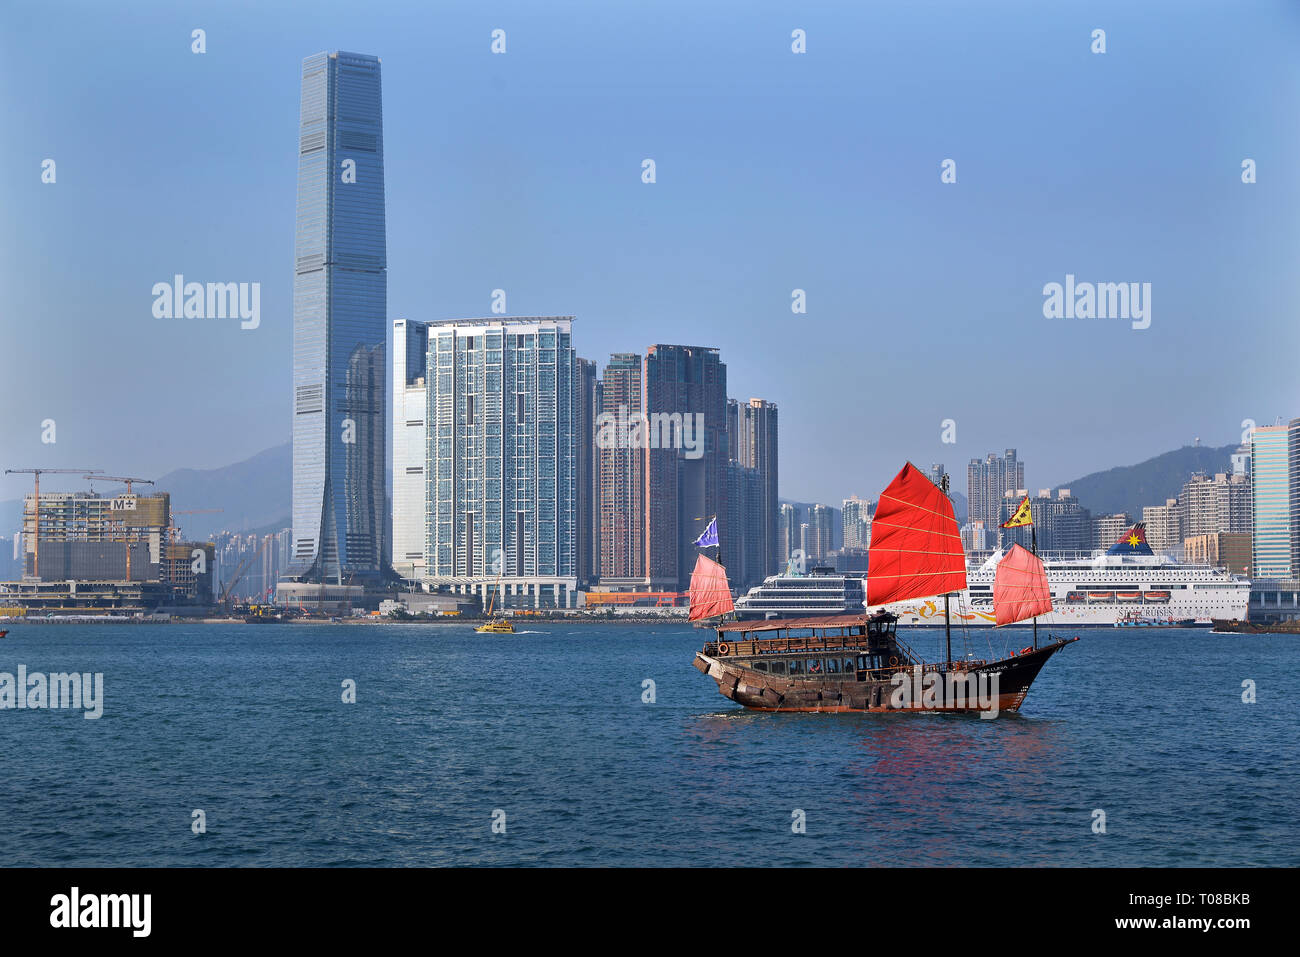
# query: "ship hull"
[764,692]
[929,614]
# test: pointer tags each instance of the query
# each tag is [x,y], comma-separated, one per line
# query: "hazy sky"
[775,171]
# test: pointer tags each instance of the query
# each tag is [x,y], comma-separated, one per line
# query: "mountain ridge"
[1127,488]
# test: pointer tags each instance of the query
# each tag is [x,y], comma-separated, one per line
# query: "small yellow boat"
[498,625]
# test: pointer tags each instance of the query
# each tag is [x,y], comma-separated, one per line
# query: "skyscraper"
[788,533]
[752,437]
[742,547]
[685,487]
[410,446]
[587,466]
[856,518]
[1293,468]
[339,306]
[622,473]
[501,471]
[1164,526]
[1270,475]
[988,481]
[1209,505]
[821,532]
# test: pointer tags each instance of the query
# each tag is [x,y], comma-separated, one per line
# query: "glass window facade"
[1271,490]
[501,474]
[339,306]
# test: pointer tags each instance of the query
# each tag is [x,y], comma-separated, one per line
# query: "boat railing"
[907,661]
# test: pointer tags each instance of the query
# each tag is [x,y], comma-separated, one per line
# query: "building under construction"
[87,553]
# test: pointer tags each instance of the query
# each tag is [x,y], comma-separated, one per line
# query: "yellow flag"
[1022,516]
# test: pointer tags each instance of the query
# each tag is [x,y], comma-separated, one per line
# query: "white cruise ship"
[1129,582]
[822,592]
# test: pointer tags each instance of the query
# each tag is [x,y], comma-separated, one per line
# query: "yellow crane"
[36,524]
[118,478]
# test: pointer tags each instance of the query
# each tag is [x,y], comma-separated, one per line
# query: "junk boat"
[858,662]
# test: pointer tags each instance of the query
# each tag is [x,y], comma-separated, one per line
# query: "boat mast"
[492,600]
[947,617]
[1033,542]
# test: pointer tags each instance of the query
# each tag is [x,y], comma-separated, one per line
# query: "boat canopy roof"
[780,624]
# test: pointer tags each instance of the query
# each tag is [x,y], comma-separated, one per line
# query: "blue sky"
[775,171]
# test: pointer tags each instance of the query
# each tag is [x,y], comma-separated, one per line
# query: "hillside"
[1128,488]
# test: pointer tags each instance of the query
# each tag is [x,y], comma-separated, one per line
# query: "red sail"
[710,594]
[915,543]
[1020,587]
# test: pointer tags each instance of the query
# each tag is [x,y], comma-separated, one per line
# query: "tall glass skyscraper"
[1271,488]
[339,304]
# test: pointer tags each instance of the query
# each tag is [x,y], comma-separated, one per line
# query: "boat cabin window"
[815,667]
[864,662]
[760,666]
[848,665]
[796,666]
[832,666]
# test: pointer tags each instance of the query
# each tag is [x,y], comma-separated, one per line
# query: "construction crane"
[36,525]
[242,567]
[129,480]
[118,478]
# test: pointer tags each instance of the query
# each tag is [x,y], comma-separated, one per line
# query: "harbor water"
[594,744]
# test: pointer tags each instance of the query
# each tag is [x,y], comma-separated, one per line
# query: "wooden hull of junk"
[867,657]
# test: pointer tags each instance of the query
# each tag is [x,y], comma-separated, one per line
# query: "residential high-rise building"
[742,547]
[622,471]
[856,519]
[1241,460]
[685,487]
[988,481]
[821,532]
[1106,529]
[1164,526]
[1270,473]
[1209,505]
[788,533]
[587,466]
[1063,525]
[339,316]
[502,493]
[752,441]
[410,446]
[975,537]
